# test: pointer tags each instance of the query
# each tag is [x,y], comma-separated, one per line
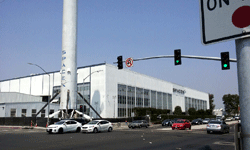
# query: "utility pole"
[243,70]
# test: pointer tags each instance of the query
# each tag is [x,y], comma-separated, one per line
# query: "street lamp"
[90,76]
[49,89]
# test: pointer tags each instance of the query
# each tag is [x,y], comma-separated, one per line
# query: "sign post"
[229,19]
[243,69]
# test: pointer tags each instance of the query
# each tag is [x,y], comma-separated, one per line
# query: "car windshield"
[93,122]
[179,121]
[215,122]
[206,119]
[137,121]
[60,122]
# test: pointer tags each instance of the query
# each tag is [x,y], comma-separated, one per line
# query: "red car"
[181,124]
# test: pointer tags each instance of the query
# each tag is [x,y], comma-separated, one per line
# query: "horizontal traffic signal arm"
[183,56]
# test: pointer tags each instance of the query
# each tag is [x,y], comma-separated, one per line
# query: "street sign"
[224,19]
[129,62]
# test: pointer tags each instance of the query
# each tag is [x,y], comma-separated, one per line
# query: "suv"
[139,124]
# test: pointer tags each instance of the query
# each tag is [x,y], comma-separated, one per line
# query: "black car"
[196,121]
[167,122]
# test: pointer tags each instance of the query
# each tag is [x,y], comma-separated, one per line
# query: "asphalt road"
[144,138]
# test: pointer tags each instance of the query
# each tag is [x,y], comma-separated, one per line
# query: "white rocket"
[69,53]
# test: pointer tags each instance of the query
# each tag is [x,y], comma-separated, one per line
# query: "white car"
[229,119]
[64,126]
[97,126]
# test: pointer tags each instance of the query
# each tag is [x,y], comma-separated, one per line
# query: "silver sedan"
[217,126]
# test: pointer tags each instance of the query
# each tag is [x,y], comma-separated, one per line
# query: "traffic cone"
[31,123]
[46,124]
[36,124]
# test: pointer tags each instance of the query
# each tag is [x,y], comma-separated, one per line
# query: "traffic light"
[225,60]
[81,108]
[120,63]
[177,57]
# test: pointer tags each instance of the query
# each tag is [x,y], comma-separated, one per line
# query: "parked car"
[167,122]
[237,117]
[64,126]
[181,124]
[217,126]
[196,121]
[206,120]
[82,121]
[229,119]
[138,124]
[97,126]
[220,118]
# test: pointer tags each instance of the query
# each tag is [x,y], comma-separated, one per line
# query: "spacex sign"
[224,19]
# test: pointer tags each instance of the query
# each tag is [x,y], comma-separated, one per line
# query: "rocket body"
[69,56]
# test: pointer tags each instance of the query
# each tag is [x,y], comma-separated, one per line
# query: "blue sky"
[31,31]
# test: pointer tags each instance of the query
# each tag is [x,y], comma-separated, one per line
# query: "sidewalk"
[20,127]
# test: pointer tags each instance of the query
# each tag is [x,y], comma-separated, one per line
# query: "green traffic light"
[177,61]
[225,65]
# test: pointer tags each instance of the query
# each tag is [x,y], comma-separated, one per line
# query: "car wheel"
[78,129]
[50,132]
[139,126]
[208,132]
[60,131]
[110,129]
[146,126]
[95,130]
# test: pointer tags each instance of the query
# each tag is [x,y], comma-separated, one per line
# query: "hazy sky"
[31,31]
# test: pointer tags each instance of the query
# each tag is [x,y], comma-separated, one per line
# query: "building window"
[33,112]
[153,99]
[159,100]
[122,100]
[146,98]
[170,102]
[130,99]
[139,97]
[24,112]
[84,89]
[13,112]
[43,113]
[165,100]
[51,111]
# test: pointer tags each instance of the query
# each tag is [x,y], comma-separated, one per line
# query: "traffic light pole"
[243,69]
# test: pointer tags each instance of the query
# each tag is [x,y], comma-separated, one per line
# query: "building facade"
[112,92]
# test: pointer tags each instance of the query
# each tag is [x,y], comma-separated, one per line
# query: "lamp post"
[90,76]
[49,88]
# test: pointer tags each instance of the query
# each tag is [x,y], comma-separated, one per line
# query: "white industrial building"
[112,92]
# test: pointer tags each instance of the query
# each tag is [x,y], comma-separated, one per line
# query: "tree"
[191,111]
[177,110]
[231,103]
[201,112]
[211,101]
